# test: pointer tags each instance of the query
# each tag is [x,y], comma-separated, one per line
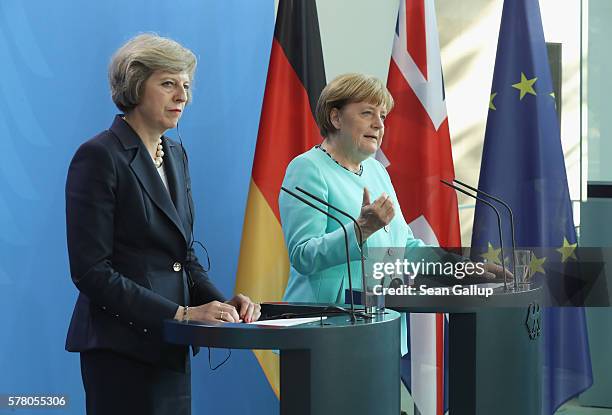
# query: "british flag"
[417,151]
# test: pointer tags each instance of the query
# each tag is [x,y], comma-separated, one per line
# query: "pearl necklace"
[159,155]
[158,160]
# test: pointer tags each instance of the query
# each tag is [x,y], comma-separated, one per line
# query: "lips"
[373,137]
[177,110]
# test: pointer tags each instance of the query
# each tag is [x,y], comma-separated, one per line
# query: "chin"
[366,153]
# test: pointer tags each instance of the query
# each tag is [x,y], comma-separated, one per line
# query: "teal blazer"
[315,243]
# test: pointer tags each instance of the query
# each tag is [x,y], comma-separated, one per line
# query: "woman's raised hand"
[374,215]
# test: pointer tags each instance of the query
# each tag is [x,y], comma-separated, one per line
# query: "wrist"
[182,313]
[365,232]
[179,313]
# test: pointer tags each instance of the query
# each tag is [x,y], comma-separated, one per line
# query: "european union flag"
[523,164]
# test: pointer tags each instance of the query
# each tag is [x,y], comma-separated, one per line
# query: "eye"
[383,116]
[186,86]
[168,83]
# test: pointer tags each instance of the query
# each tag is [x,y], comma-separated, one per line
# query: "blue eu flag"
[523,164]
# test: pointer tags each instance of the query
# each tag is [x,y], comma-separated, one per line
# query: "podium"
[494,358]
[330,366]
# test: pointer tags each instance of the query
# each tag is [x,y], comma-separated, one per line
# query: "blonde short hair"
[138,58]
[348,88]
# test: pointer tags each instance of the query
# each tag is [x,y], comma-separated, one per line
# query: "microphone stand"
[359,231]
[499,227]
[507,206]
[352,312]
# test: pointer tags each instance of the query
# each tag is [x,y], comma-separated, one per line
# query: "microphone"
[360,232]
[507,206]
[352,312]
[499,227]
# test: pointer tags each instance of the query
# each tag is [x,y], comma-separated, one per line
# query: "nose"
[181,94]
[378,122]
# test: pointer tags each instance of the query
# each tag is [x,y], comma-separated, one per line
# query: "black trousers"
[117,385]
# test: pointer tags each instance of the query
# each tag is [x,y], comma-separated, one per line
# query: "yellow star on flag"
[525,86]
[552,95]
[492,255]
[535,265]
[567,250]
[491,104]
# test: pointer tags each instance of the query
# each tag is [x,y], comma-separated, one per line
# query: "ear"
[334,118]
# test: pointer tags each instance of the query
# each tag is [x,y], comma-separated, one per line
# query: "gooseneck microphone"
[359,231]
[507,206]
[352,312]
[499,227]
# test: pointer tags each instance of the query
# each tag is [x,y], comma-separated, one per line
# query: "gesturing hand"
[375,215]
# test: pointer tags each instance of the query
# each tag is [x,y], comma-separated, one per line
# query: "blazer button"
[131,324]
[145,330]
[103,308]
[177,266]
[390,252]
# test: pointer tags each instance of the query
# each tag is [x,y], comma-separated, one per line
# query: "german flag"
[287,128]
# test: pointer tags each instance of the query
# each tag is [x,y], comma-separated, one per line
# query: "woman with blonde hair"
[351,114]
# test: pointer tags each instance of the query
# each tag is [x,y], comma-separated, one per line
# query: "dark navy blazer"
[128,243]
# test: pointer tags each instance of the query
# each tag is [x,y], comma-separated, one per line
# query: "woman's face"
[360,127]
[163,100]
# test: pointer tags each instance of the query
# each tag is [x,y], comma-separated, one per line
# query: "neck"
[149,137]
[344,156]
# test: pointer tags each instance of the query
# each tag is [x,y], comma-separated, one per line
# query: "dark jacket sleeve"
[90,205]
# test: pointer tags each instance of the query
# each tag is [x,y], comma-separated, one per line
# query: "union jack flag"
[417,152]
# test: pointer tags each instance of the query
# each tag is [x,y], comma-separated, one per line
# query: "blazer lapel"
[144,169]
[175,165]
